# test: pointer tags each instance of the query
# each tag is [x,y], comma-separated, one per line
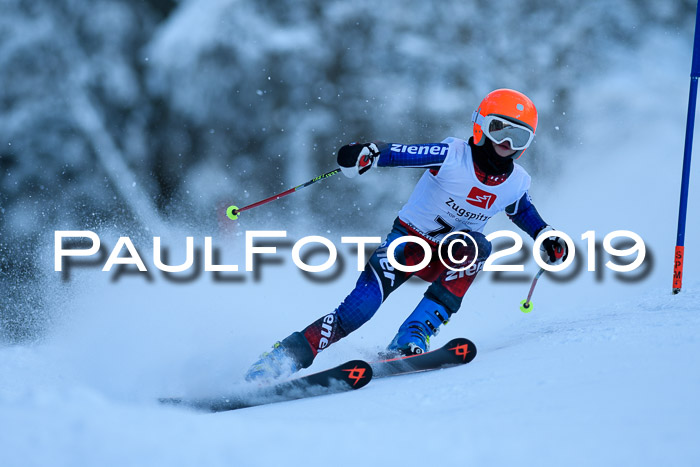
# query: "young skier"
[467,183]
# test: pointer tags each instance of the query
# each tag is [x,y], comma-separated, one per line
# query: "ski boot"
[286,358]
[414,334]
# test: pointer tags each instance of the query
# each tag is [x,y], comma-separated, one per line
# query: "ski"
[351,375]
[458,351]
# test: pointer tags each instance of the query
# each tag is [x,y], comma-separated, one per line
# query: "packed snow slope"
[602,372]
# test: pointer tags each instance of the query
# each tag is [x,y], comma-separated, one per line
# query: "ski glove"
[553,250]
[357,158]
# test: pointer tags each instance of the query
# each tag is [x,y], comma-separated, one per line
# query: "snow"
[586,385]
[600,373]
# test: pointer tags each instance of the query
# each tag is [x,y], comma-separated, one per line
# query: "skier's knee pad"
[464,249]
[450,288]
[484,246]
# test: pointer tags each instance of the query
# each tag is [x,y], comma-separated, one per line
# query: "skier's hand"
[553,249]
[357,158]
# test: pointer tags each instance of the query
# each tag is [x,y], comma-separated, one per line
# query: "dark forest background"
[146,115]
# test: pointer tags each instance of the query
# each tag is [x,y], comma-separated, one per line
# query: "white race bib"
[455,199]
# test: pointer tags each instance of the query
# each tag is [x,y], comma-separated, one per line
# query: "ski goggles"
[499,130]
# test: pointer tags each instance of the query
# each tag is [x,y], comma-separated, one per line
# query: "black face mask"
[486,158]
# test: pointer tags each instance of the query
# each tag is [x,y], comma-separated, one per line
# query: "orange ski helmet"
[510,105]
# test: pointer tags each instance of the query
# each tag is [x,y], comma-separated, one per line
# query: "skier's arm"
[428,156]
[357,158]
[524,215]
[553,250]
